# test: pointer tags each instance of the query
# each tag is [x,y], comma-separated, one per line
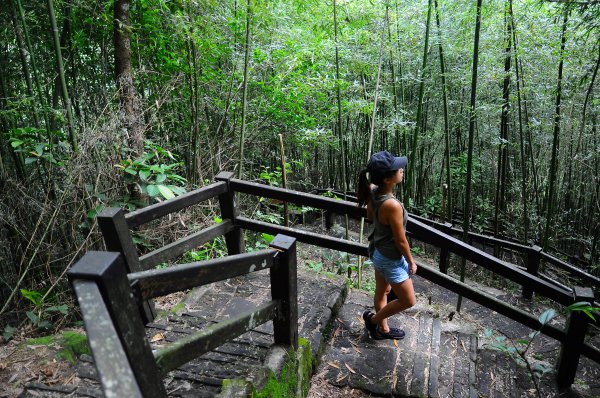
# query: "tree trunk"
[124,78]
[521,140]
[551,195]
[504,125]
[418,123]
[245,87]
[448,209]
[63,80]
[472,123]
[24,65]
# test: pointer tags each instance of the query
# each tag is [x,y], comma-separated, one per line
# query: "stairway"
[438,357]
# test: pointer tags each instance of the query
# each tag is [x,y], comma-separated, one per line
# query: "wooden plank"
[160,282]
[299,198]
[108,271]
[114,370]
[434,363]
[179,247]
[428,234]
[305,236]
[190,347]
[488,301]
[152,212]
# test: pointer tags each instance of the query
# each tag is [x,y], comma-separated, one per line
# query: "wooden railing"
[122,342]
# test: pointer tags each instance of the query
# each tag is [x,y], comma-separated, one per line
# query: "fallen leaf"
[361,320]
[333,365]
[357,350]
[157,337]
[350,369]
[342,377]
[396,343]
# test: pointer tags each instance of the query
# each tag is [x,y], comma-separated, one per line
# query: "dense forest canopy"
[126,102]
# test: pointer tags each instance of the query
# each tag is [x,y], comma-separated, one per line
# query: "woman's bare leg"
[406,299]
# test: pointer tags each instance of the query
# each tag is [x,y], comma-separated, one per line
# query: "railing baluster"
[117,238]
[108,271]
[284,287]
[534,254]
[229,210]
[571,349]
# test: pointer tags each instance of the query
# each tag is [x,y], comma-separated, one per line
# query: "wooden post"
[107,270]
[284,287]
[534,255]
[328,219]
[570,351]
[229,210]
[117,238]
[444,260]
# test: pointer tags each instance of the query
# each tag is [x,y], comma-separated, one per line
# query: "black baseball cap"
[384,161]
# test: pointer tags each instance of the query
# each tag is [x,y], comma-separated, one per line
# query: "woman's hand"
[412,268]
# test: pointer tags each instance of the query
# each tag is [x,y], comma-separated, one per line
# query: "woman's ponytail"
[364,189]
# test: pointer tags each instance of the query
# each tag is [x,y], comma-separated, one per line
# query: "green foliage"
[8,332]
[71,344]
[35,148]
[586,308]
[208,251]
[155,172]
[288,384]
[517,350]
[41,317]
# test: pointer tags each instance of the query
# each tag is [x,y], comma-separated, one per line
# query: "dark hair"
[376,177]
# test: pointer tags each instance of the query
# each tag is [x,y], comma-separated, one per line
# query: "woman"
[388,247]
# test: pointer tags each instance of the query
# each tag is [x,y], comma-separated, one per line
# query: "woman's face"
[399,176]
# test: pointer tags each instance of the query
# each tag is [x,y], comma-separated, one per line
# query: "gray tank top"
[382,236]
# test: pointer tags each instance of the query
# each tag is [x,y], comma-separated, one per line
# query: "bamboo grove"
[125,102]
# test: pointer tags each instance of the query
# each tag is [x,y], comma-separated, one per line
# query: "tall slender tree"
[245,87]
[504,124]
[62,77]
[448,209]
[410,186]
[550,193]
[472,124]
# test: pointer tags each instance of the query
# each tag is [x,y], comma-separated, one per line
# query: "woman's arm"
[395,218]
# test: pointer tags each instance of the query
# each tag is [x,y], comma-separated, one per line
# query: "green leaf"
[523,341]
[32,295]
[268,238]
[144,174]
[16,143]
[487,332]
[547,316]
[63,309]
[152,190]
[8,333]
[32,317]
[39,149]
[161,178]
[30,160]
[218,220]
[165,191]
[131,170]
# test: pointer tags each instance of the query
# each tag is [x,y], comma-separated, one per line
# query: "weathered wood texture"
[185,244]
[188,348]
[160,282]
[107,270]
[152,212]
[284,288]
[114,371]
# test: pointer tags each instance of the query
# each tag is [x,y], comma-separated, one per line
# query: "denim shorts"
[393,270]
